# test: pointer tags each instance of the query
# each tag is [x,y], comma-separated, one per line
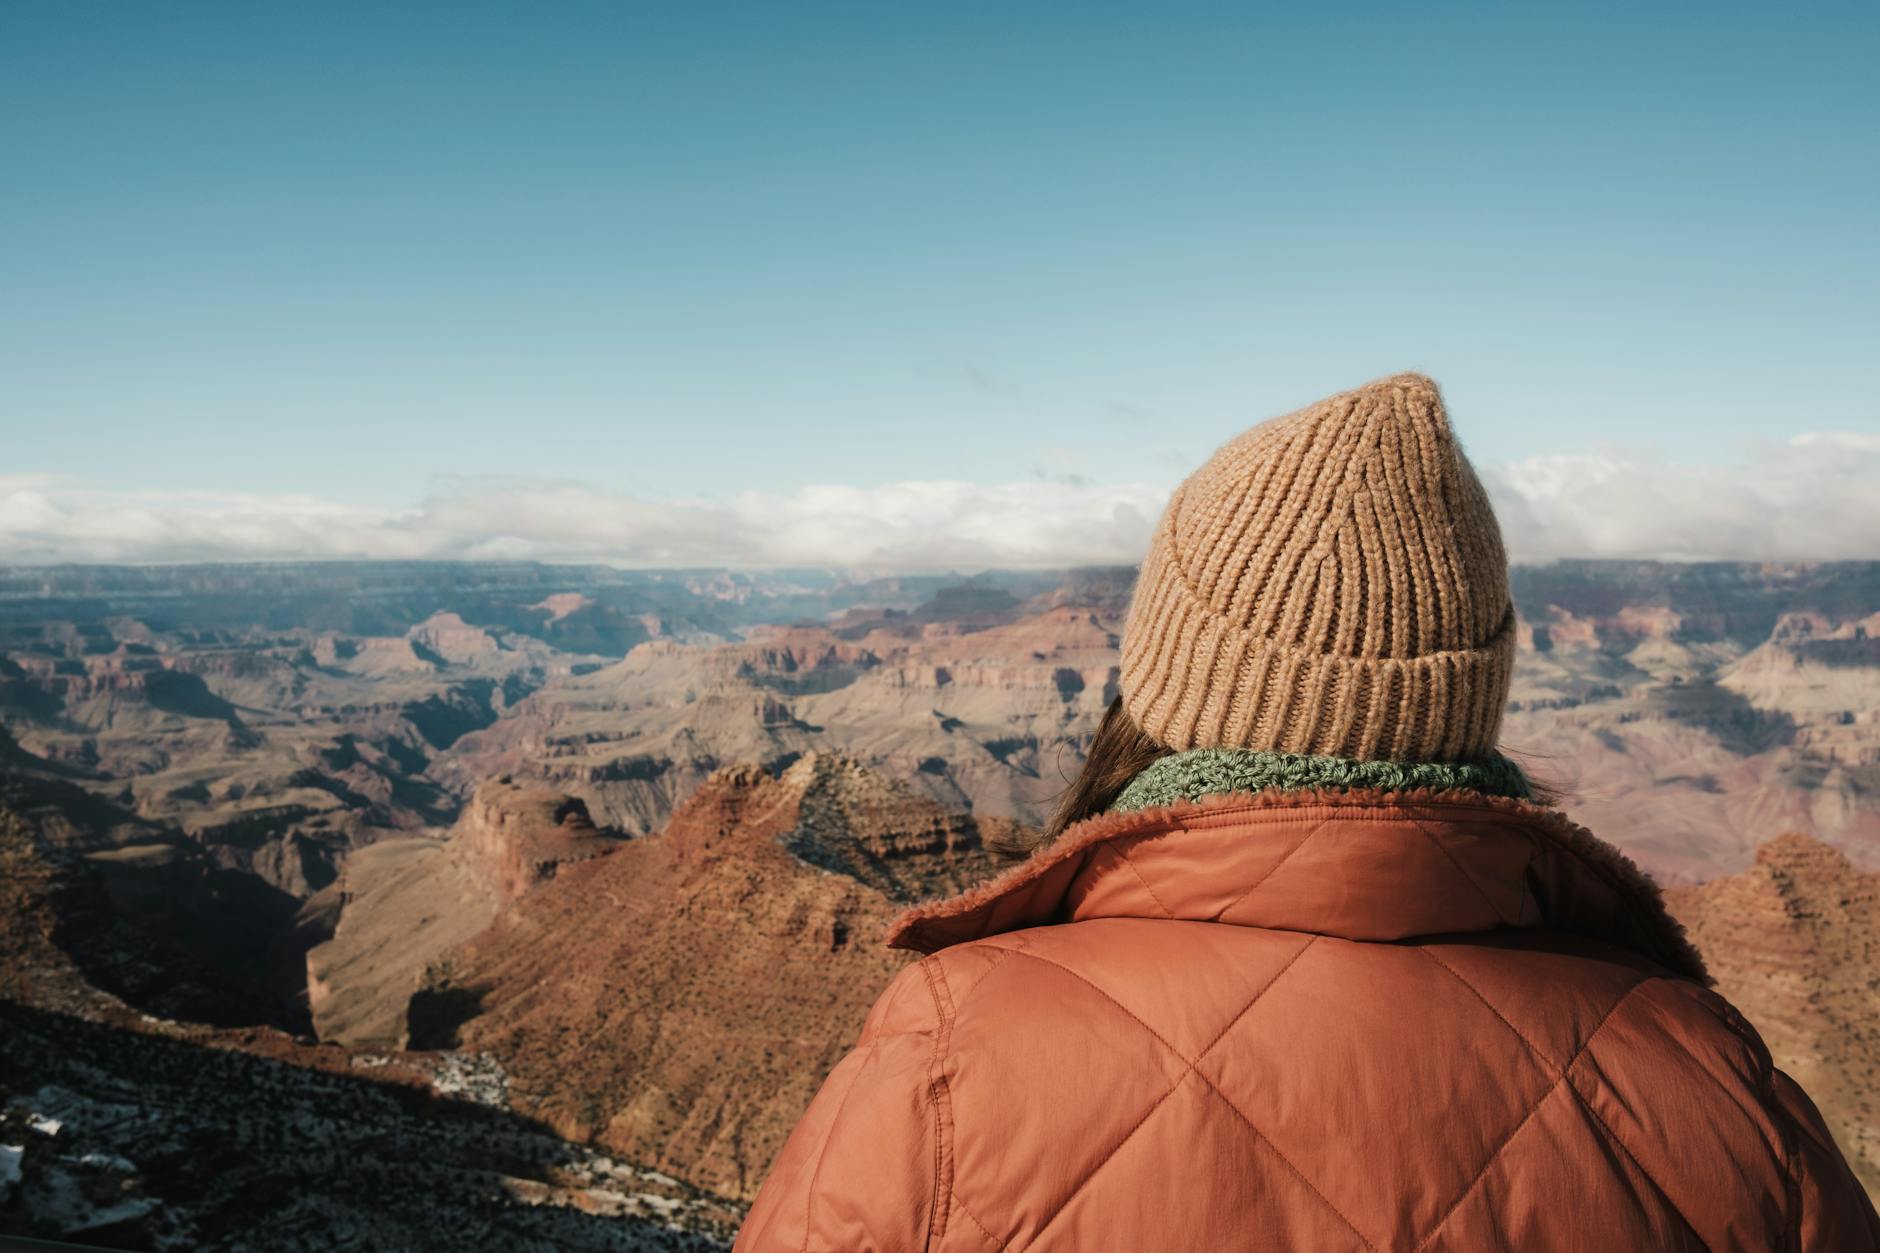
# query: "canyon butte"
[438,904]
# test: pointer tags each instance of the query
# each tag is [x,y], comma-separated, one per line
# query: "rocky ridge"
[1794,942]
[127,1128]
[402,904]
[258,812]
[679,1000]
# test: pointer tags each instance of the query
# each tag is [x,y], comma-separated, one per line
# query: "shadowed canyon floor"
[606,856]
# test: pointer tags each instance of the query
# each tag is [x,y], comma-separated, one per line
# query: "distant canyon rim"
[557,826]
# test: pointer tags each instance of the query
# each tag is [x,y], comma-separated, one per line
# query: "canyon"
[595,863]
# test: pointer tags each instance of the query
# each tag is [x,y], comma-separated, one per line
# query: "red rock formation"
[679,1000]
[448,636]
[1794,941]
[406,902]
[512,836]
[990,718]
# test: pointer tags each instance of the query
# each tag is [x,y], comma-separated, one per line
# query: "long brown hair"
[1120,750]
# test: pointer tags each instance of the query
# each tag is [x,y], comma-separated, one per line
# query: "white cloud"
[1815,497]
[900,525]
[1854,441]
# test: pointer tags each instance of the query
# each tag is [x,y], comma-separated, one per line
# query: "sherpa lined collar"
[1203,772]
[1359,865]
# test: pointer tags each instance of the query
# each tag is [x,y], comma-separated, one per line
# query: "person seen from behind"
[1302,962]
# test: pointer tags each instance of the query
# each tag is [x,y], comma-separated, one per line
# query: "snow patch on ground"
[53,1106]
[10,1155]
[107,1161]
[474,1077]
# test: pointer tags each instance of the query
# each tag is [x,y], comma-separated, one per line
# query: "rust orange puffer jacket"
[1320,1022]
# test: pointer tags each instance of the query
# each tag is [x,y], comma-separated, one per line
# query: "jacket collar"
[1360,865]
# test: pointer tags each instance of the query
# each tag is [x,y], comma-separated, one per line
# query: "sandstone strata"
[679,1000]
[404,903]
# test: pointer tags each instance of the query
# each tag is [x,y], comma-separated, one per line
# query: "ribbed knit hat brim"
[1332,582]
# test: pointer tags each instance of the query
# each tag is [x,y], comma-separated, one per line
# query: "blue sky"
[360,255]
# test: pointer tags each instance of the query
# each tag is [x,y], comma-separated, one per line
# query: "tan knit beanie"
[1331,582]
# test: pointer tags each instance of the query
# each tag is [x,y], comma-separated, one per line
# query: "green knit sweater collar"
[1203,772]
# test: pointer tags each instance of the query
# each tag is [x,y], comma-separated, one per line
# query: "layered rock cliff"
[512,836]
[679,1000]
[402,904]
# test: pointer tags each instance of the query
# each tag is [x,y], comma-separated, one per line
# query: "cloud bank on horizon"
[1814,497]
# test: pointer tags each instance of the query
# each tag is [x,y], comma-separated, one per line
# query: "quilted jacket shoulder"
[1149,1065]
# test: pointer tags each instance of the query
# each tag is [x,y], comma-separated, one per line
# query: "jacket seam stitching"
[974,1220]
[809,1200]
[883,1013]
[1195,1069]
[1192,1068]
[1724,1088]
[941,1098]
[1560,1079]
[1103,1161]
[1621,1145]
[1274,1149]
[1771,1108]
[1016,945]
[1481,1174]
[1630,895]
[1137,871]
[1273,869]
[1126,1010]
[1521,1035]
[1605,1127]
[1547,831]
[1466,878]
[1779,1116]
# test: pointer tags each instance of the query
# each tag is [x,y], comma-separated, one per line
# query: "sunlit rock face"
[1794,942]
[612,851]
